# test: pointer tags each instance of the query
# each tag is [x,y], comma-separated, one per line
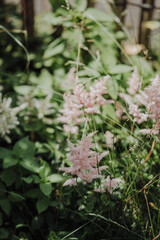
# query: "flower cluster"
[8,117]
[110,139]
[44,107]
[149,98]
[152,99]
[134,110]
[134,83]
[84,161]
[81,103]
[109,185]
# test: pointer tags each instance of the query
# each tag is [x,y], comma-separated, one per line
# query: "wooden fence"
[146,9]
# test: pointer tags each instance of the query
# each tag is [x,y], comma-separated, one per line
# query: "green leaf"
[21,225]
[8,176]
[121,68]
[45,80]
[112,88]
[108,110]
[32,178]
[46,188]
[6,206]
[24,148]
[80,5]
[30,164]
[42,205]
[9,162]
[44,170]
[54,51]
[55,178]
[98,15]
[28,179]
[23,89]
[16,196]
[141,61]
[4,153]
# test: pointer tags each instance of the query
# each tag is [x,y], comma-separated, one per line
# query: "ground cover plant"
[79,132]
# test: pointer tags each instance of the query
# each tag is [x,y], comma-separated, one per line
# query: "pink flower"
[152,103]
[149,98]
[70,182]
[139,117]
[108,185]
[69,129]
[119,110]
[111,184]
[110,139]
[149,131]
[80,102]
[84,160]
[134,83]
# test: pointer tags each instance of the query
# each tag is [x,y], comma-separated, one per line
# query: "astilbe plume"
[150,99]
[110,139]
[8,117]
[134,83]
[84,161]
[134,110]
[44,107]
[82,102]
[109,185]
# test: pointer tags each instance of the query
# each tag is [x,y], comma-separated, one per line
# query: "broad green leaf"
[8,176]
[108,56]
[98,15]
[42,204]
[4,153]
[112,88]
[143,65]
[57,4]
[80,5]
[51,18]
[44,170]
[108,110]
[53,52]
[32,178]
[5,206]
[23,89]
[46,188]
[121,68]
[30,164]
[24,148]
[9,162]
[28,179]
[45,80]
[55,178]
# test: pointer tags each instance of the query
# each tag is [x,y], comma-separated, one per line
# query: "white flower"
[44,106]
[110,139]
[8,118]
